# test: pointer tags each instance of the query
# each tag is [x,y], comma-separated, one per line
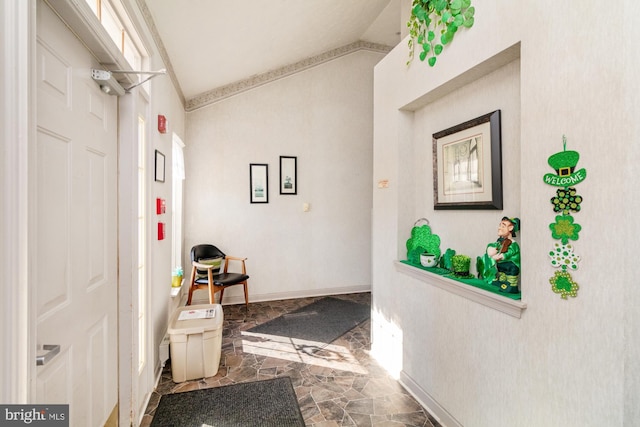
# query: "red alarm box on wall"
[161,206]
[161,231]
[162,124]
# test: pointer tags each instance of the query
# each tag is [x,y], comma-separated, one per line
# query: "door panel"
[75,264]
[53,154]
[53,382]
[97,240]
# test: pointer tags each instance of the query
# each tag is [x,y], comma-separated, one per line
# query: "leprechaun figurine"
[500,265]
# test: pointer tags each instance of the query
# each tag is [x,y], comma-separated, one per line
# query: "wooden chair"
[207,262]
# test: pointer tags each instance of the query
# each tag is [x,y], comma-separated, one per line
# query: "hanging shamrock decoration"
[562,283]
[565,202]
[562,256]
[564,229]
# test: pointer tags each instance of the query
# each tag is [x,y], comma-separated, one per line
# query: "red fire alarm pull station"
[162,124]
[161,206]
[161,231]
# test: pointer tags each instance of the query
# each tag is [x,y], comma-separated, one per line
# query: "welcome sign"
[564,164]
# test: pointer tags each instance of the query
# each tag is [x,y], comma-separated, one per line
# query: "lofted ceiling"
[214,43]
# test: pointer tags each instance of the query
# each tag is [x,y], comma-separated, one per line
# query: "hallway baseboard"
[200,297]
[428,402]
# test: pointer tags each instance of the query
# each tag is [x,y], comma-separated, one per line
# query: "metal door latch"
[51,351]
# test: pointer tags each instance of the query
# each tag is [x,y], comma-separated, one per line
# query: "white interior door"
[74,262]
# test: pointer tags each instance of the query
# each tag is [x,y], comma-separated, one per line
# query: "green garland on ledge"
[434,23]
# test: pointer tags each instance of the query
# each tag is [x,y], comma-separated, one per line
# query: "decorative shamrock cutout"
[562,283]
[564,229]
[563,256]
[447,259]
[566,200]
[422,240]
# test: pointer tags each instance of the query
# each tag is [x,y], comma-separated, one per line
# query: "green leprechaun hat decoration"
[564,163]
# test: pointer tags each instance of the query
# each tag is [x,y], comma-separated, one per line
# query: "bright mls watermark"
[34,415]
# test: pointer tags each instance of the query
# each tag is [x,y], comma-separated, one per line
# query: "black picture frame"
[467,165]
[288,175]
[160,167]
[259,183]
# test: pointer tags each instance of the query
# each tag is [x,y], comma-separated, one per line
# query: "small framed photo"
[259,182]
[288,175]
[467,165]
[159,175]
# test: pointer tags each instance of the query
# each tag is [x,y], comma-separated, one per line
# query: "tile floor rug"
[267,403]
[331,390]
[322,321]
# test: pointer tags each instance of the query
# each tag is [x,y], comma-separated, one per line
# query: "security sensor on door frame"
[107,83]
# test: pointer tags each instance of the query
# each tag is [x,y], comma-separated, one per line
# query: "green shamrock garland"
[565,202]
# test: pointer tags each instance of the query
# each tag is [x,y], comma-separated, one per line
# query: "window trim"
[85,24]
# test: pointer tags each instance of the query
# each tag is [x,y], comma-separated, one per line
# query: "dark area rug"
[268,403]
[322,321]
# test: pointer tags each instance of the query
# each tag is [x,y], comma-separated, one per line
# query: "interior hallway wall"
[564,362]
[166,103]
[323,116]
[630,128]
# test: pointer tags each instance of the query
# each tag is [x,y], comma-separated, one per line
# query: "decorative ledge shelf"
[497,302]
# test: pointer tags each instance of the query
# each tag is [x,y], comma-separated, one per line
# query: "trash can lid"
[194,319]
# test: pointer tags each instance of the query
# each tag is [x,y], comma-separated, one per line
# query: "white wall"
[564,363]
[165,101]
[323,116]
[630,128]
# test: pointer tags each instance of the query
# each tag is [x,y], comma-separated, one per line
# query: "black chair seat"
[224,279]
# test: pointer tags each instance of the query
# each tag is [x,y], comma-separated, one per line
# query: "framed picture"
[159,176]
[288,175]
[467,165]
[259,182]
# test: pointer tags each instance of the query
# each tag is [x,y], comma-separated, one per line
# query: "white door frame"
[127,260]
[17,90]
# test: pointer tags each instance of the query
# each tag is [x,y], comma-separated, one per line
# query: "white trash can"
[195,341]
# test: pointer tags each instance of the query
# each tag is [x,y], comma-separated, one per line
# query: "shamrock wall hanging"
[565,202]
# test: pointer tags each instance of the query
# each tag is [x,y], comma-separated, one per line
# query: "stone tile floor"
[338,385]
